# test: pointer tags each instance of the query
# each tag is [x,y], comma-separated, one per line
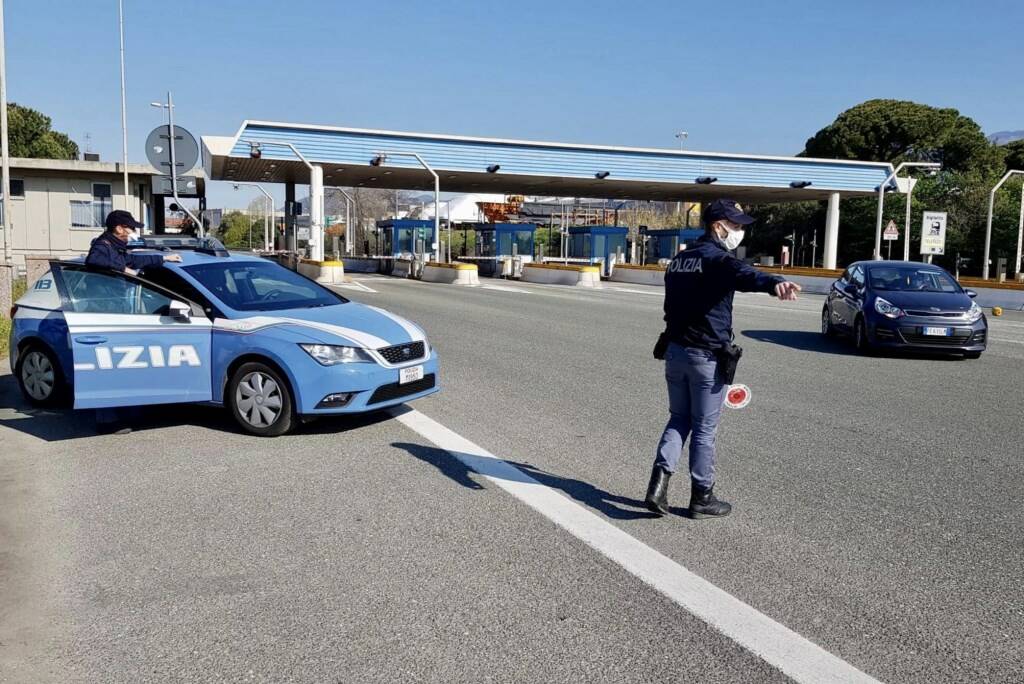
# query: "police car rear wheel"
[261,401]
[39,377]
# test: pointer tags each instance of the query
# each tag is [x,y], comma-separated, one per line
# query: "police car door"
[132,344]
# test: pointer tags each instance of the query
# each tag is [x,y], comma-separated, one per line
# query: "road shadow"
[461,468]
[813,341]
[60,424]
[803,340]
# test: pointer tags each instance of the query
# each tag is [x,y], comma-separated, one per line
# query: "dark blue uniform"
[699,285]
[106,251]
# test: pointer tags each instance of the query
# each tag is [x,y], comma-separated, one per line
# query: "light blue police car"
[232,329]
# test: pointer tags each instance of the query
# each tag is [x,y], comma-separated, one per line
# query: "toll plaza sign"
[933,232]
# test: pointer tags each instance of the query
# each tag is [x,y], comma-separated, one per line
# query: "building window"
[17,187]
[91,214]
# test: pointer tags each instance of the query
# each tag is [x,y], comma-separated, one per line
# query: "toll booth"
[399,238]
[663,243]
[605,245]
[501,249]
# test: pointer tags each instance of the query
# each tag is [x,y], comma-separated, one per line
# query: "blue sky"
[758,77]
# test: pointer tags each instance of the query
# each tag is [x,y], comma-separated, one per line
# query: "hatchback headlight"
[888,309]
[974,313]
[331,355]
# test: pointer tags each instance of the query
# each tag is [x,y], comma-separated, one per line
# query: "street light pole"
[437,189]
[988,225]
[5,157]
[881,201]
[124,106]
[1020,232]
[174,162]
[316,193]
[266,214]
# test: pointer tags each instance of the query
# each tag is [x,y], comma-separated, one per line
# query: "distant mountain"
[1003,137]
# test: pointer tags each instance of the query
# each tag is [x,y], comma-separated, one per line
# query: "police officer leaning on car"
[699,354]
[110,249]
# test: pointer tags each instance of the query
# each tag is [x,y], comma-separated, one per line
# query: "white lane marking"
[356,285]
[505,288]
[654,293]
[774,643]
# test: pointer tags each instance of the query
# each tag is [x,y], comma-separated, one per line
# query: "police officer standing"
[697,348]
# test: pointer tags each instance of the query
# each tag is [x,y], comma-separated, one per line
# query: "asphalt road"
[877,513]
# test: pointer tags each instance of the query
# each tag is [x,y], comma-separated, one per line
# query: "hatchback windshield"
[911,279]
[261,286]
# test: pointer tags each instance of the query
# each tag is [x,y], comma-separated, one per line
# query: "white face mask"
[732,238]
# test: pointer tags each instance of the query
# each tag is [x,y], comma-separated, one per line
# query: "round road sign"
[158,150]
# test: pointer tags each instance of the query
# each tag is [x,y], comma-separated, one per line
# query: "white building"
[57,206]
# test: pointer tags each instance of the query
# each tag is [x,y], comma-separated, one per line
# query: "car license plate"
[410,374]
[938,332]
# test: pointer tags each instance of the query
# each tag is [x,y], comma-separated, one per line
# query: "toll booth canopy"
[596,243]
[504,239]
[663,243]
[399,237]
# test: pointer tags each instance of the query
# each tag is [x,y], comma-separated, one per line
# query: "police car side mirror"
[179,310]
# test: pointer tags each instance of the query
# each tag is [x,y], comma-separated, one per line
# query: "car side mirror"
[850,289]
[179,310]
[971,293]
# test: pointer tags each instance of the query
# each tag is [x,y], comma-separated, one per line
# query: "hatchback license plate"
[410,374]
[938,332]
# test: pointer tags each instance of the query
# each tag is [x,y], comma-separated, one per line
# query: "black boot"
[704,504]
[657,491]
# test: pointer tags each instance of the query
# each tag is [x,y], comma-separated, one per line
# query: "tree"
[29,135]
[236,228]
[898,130]
[1014,155]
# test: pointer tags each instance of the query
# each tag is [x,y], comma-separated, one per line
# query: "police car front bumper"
[359,387]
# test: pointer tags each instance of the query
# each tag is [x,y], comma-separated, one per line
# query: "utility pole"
[5,168]
[124,106]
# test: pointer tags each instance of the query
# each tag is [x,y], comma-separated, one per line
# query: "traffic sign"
[891,231]
[933,232]
[158,150]
[187,185]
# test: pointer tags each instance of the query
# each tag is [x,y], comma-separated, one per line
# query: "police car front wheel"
[260,400]
[39,376]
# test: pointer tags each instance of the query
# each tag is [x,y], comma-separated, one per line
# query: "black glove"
[660,346]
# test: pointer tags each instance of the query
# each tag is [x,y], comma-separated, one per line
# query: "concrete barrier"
[361,264]
[562,274]
[651,274]
[402,268]
[455,274]
[323,272]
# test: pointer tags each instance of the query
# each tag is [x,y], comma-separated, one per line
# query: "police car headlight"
[974,313]
[331,355]
[887,309]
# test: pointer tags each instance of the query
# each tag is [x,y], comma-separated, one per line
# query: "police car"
[269,344]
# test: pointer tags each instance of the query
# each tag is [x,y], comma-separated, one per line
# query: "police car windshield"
[261,286]
[911,279]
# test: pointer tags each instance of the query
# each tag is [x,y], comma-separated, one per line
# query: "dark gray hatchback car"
[905,305]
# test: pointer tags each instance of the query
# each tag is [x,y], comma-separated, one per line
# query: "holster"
[728,359]
[660,346]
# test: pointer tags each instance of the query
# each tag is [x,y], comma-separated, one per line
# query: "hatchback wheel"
[860,337]
[39,376]
[826,322]
[260,400]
